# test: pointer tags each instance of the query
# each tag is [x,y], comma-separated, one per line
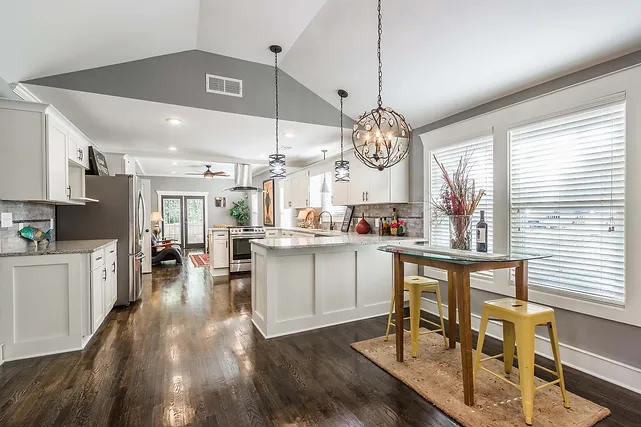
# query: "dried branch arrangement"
[458,194]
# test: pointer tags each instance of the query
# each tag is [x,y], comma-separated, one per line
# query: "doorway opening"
[184,219]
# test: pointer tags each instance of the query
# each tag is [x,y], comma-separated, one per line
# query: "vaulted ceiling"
[439,57]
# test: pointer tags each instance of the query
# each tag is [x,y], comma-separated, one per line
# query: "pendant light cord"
[341,128]
[380,63]
[276,81]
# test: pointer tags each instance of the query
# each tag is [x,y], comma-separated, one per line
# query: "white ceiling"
[152,166]
[443,57]
[439,58]
[138,128]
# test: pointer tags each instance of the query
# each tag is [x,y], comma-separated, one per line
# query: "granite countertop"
[345,239]
[60,247]
[308,231]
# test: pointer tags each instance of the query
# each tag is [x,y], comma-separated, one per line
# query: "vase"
[363,226]
[461,232]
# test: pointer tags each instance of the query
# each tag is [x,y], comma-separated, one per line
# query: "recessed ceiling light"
[173,171]
[174,121]
[289,135]
[174,163]
[172,148]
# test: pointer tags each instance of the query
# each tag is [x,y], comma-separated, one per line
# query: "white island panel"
[315,283]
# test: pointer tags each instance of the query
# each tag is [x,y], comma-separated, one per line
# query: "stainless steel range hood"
[243,173]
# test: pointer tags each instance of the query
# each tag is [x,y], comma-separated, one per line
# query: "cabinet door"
[359,182]
[287,192]
[111,285]
[57,163]
[97,298]
[340,193]
[378,190]
[300,190]
[78,150]
[221,254]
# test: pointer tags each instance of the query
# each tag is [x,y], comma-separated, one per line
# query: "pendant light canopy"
[381,136]
[277,169]
[341,167]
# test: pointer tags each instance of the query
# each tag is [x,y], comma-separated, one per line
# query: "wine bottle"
[481,234]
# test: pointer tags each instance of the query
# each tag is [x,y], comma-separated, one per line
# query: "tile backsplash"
[412,213]
[24,212]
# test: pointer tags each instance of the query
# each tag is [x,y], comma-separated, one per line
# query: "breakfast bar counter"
[304,283]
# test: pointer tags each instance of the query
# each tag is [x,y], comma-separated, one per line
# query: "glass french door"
[184,220]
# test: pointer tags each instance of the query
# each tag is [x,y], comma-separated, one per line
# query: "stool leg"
[554,340]
[440,314]
[525,349]
[415,317]
[479,342]
[509,339]
[389,318]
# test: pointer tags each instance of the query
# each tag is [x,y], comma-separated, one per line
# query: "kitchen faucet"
[331,221]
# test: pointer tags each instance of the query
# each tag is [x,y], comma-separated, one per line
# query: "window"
[567,198]
[480,151]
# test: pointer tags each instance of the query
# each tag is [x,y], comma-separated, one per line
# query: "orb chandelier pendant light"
[277,169]
[341,167]
[381,136]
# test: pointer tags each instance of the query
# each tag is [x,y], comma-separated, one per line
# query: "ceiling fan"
[208,174]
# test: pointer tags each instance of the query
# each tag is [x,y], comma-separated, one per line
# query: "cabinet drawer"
[97,259]
[271,233]
[110,250]
[220,235]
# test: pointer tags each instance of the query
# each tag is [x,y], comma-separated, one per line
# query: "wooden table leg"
[520,281]
[451,307]
[399,279]
[465,331]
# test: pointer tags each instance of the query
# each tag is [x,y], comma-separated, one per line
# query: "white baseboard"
[1,353]
[609,370]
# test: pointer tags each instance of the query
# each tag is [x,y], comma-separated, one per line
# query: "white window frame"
[579,96]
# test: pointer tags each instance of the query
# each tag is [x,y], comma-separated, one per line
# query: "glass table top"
[424,250]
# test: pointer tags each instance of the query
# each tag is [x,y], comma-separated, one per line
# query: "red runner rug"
[199,260]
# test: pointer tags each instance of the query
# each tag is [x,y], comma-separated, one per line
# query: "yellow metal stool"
[416,285]
[519,320]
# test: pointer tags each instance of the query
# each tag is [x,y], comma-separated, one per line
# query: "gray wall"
[179,79]
[214,187]
[610,339]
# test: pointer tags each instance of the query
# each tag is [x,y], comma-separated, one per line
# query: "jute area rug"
[436,375]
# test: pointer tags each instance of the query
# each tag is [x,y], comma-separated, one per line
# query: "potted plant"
[457,200]
[240,212]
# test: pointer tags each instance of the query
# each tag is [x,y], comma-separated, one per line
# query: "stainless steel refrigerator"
[119,214]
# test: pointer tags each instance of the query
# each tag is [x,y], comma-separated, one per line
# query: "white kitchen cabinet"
[52,303]
[78,149]
[369,186]
[219,252]
[98,277]
[296,190]
[111,283]
[35,164]
[340,193]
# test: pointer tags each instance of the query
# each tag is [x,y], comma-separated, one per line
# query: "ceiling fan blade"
[220,173]
[194,173]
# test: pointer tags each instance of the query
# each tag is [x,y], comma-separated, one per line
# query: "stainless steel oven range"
[240,256]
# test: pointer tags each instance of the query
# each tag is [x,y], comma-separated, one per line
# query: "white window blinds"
[567,198]
[480,151]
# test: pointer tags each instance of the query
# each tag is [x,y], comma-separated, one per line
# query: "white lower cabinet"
[52,303]
[219,252]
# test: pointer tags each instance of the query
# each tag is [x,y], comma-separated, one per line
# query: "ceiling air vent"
[224,85]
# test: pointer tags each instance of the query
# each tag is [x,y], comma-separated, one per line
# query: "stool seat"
[418,280]
[416,285]
[520,319]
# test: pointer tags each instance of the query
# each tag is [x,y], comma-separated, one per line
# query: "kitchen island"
[302,283]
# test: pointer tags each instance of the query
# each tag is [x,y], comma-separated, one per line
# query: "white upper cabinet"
[36,162]
[369,186]
[296,190]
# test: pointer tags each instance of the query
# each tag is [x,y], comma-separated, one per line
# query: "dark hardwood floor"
[187,354]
